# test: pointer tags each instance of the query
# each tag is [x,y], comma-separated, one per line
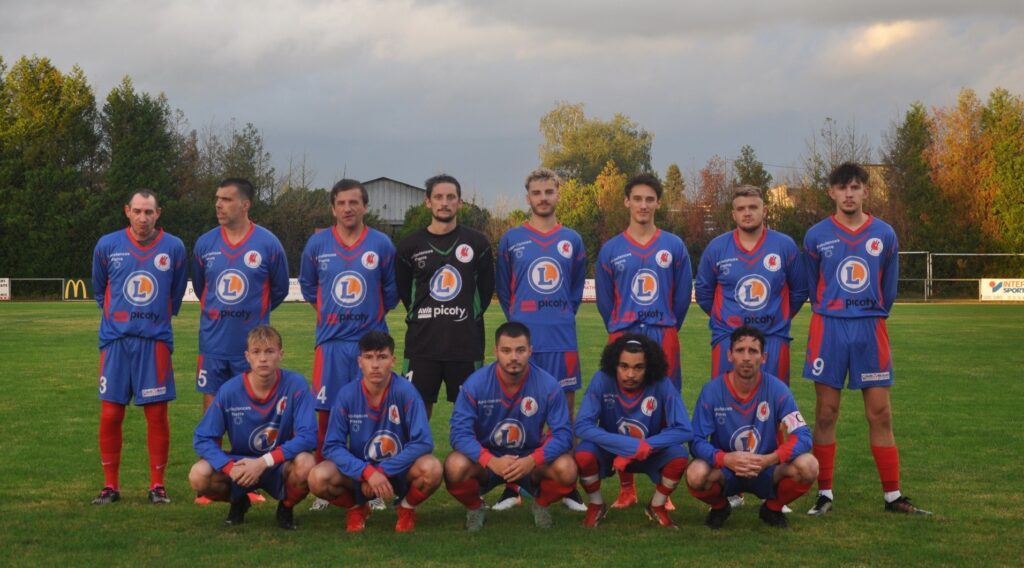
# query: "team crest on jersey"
[874,246]
[162,262]
[253,259]
[348,289]
[752,292]
[231,286]
[370,260]
[632,428]
[528,406]
[772,262]
[464,253]
[382,445]
[509,434]
[763,411]
[649,405]
[446,283]
[264,438]
[746,439]
[545,275]
[393,414]
[565,249]
[281,405]
[644,288]
[140,288]
[663,258]
[853,274]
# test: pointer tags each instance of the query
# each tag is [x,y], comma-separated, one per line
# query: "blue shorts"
[763,485]
[777,364]
[857,345]
[136,366]
[335,364]
[564,366]
[651,466]
[272,481]
[668,338]
[212,372]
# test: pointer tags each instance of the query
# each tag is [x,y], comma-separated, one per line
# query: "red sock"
[712,496]
[552,491]
[826,456]
[787,491]
[293,495]
[346,500]
[467,493]
[414,496]
[158,440]
[672,472]
[626,479]
[586,462]
[887,460]
[322,418]
[111,417]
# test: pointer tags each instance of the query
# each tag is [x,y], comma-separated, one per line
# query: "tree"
[712,212]
[578,208]
[1003,123]
[614,217]
[578,147]
[749,170]
[674,205]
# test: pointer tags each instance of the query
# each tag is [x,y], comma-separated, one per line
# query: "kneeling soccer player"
[632,420]
[497,432]
[267,414]
[378,442]
[735,443]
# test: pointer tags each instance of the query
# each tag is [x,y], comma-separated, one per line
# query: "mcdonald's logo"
[74,287]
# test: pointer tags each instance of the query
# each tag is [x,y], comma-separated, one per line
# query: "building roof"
[394,181]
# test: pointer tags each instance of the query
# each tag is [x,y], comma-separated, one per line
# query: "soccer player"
[643,283]
[348,275]
[852,271]
[139,279]
[751,276]
[735,444]
[632,420]
[445,276]
[541,268]
[497,432]
[240,274]
[267,414]
[378,442]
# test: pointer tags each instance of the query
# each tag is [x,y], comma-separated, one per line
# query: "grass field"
[957,407]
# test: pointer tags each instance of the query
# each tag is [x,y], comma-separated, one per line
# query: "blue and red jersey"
[723,422]
[761,288]
[138,287]
[282,423]
[539,282]
[852,273]
[390,436]
[489,421]
[351,287]
[647,284]
[238,284]
[617,420]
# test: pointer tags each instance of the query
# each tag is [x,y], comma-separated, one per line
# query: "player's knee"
[879,416]
[302,465]
[697,474]
[806,468]
[428,472]
[320,476]
[563,470]
[199,476]
[456,467]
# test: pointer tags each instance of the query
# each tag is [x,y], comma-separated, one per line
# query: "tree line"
[949,179]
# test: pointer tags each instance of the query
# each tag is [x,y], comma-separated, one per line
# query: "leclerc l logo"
[231,286]
[140,288]
[545,275]
[509,434]
[382,445]
[752,292]
[348,289]
[644,287]
[853,274]
[445,284]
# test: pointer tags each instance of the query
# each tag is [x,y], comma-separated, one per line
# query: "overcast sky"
[405,89]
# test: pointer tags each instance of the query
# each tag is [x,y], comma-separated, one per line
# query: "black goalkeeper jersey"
[445,282]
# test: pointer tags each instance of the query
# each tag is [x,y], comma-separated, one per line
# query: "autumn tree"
[578,147]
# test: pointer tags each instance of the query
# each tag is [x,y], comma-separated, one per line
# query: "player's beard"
[447,219]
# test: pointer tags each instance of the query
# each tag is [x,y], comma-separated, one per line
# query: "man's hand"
[519,468]
[247,472]
[743,464]
[379,486]
[500,465]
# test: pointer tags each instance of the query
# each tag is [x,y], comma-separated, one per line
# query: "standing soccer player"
[852,272]
[498,432]
[735,443]
[644,282]
[240,274]
[378,442]
[632,420]
[267,414]
[541,268]
[751,276]
[139,279]
[445,276]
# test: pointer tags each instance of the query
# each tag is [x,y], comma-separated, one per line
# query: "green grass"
[957,404]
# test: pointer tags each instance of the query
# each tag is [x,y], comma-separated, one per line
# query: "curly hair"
[654,357]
